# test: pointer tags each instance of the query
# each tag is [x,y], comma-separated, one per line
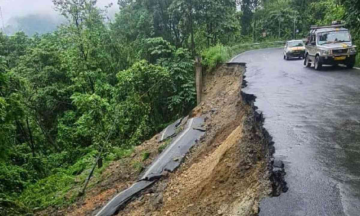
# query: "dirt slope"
[227,173]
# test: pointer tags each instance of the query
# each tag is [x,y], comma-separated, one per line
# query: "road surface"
[170,130]
[314,118]
[173,155]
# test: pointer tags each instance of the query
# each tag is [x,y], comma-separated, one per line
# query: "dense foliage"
[93,86]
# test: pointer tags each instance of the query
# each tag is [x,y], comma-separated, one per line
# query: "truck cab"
[329,45]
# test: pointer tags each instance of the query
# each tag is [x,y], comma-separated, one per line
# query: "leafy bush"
[53,190]
[215,55]
[181,69]
[13,180]
[141,96]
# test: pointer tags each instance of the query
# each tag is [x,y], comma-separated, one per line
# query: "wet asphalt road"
[314,118]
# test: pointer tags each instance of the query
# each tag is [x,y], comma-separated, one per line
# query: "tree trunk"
[32,144]
[254,29]
[47,135]
[192,29]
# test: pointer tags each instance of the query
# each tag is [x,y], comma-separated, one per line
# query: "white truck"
[330,45]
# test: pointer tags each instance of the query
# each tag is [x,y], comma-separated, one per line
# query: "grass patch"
[138,166]
[145,156]
[163,146]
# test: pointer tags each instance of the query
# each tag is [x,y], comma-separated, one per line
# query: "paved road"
[314,118]
[172,156]
[170,130]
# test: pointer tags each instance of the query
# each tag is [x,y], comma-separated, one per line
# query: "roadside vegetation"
[96,86]
[219,53]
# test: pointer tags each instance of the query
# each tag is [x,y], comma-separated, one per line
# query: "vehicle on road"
[294,49]
[329,45]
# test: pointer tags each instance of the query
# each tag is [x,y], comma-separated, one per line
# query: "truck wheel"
[307,62]
[350,65]
[317,63]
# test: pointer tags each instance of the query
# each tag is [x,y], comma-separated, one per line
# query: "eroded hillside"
[226,173]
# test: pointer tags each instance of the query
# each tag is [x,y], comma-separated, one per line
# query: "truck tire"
[317,63]
[307,62]
[350,65]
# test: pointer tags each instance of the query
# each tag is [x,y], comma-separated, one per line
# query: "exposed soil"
[226,173]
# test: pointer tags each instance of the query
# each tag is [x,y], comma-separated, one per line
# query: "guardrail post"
[198,77]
